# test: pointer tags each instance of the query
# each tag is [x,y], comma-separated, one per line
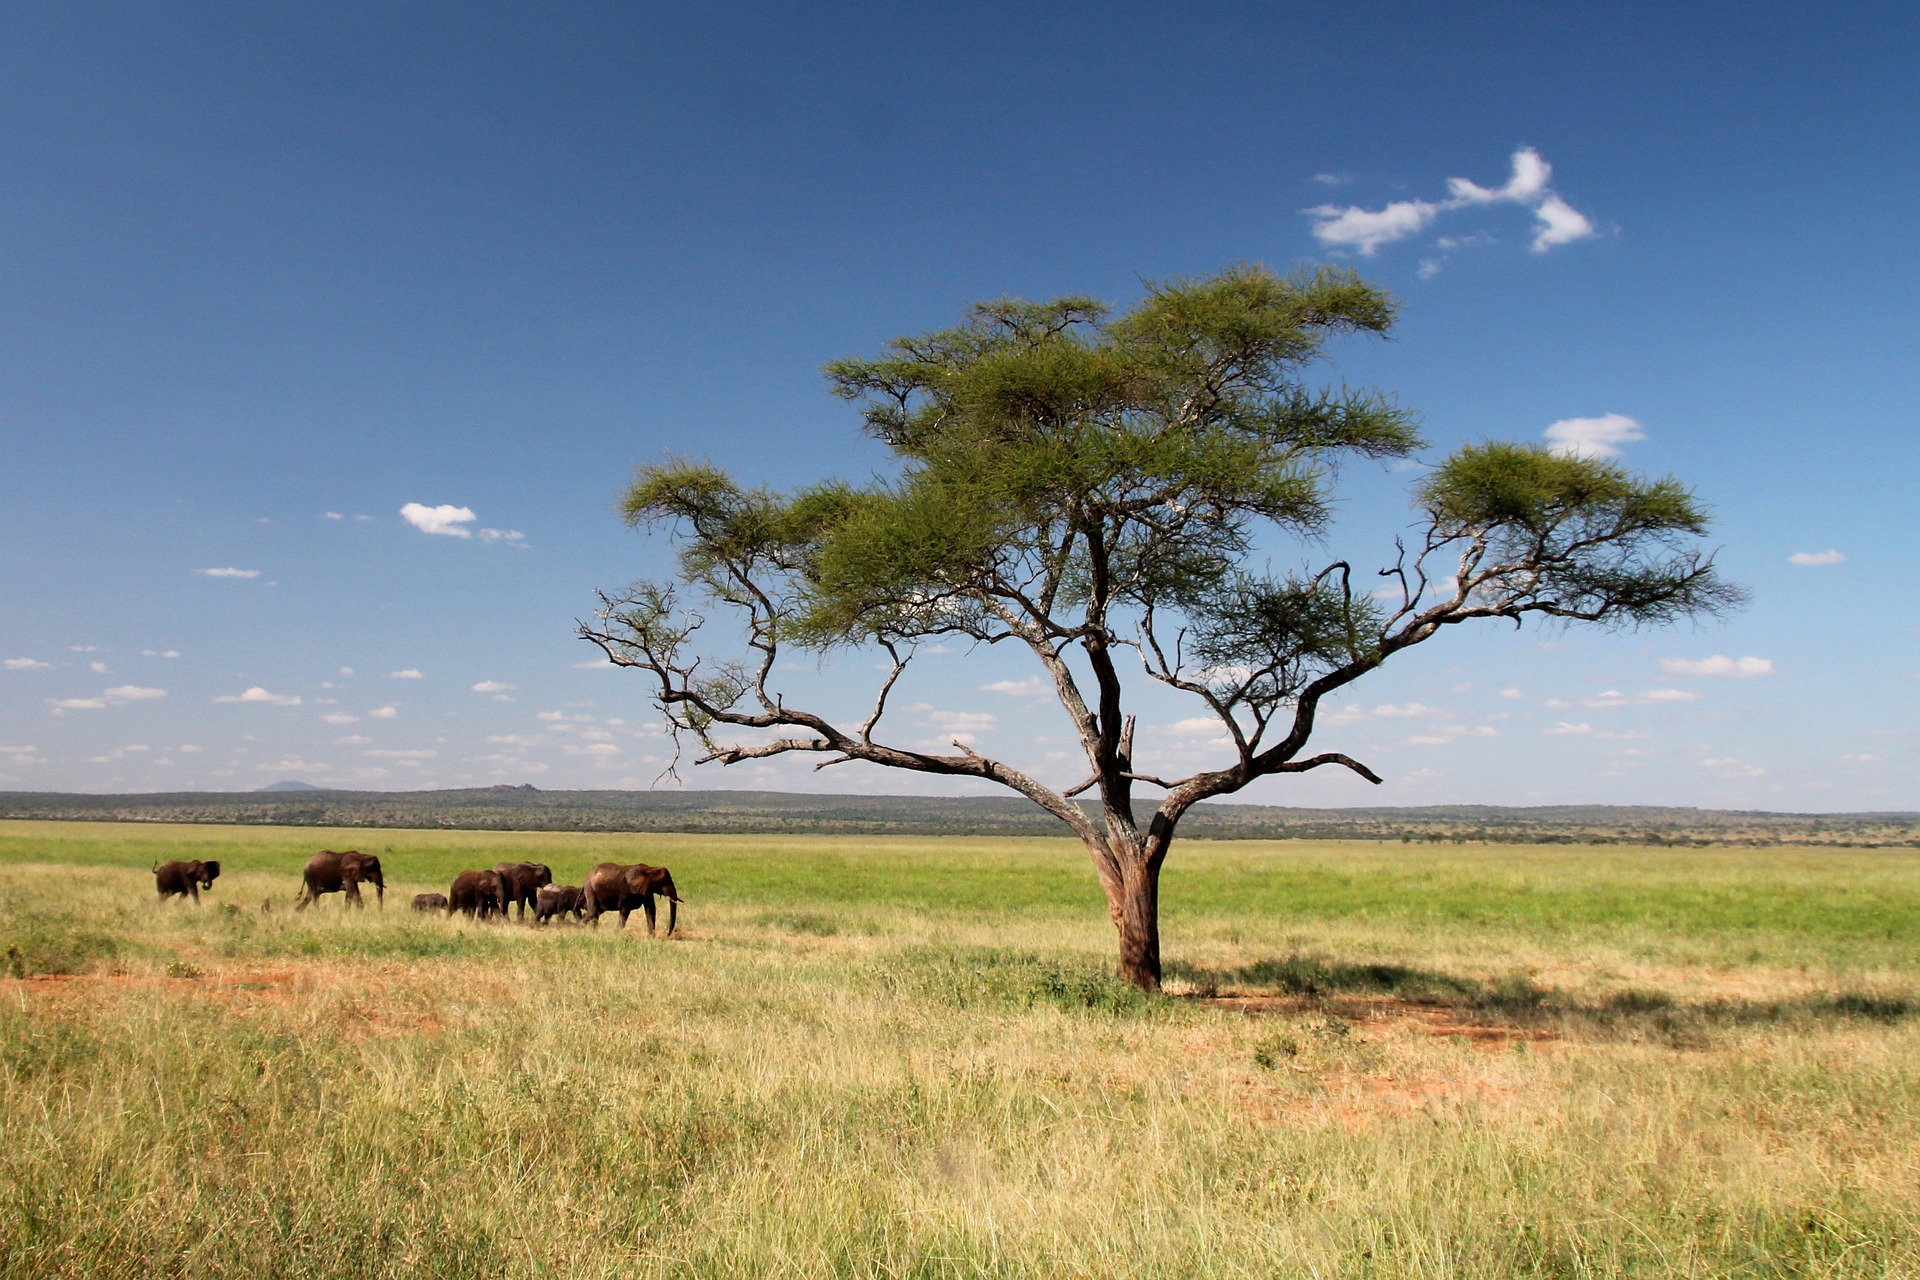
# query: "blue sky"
[271,275]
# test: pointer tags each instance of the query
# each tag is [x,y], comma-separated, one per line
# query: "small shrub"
[1272,1052]
[974,976]
[37,950]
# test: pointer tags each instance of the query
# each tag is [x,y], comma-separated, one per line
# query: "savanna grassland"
[904,1057]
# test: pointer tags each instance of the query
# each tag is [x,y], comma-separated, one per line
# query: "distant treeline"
[768,812]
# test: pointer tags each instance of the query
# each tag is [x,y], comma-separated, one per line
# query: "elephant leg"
[650,916]
[352,888]
[194,889]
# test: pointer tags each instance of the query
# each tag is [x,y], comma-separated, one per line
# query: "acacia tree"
[1091,487]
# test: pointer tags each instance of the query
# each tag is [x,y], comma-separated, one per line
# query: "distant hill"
[289,786]
[524,808]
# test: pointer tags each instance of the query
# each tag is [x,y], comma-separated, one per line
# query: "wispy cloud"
[339,717]
[1647,698]
[411,673]
[1594,437]
[231,573]
[1031,687]
[26,664]
[1364,230]
[445,519]
[256,694]
[1718,665]
[132,693]
[384,713]
[1566,728]
[512,537]
[490,686]
[1810,559]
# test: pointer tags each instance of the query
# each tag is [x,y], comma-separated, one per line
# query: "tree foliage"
[1092,487]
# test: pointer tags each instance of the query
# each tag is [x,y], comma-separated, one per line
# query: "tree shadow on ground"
[1514,998]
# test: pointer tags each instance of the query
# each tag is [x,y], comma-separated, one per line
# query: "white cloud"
[257,694]
[352,740]
[391,754]
[346,671]
[1651,697]
[155,653]
[490,686]
[26,664]
[512,537]
[549,715]
[88,648]
[98,668]
[1808,559]
[335,515]
[1560,223]
[1529,180]
[595,749]
[1512,691]
[383,713]
[1565,727]
[231,573]
[1728,767]
[1352,227]
[444,519]
[1864,757]
[1594,437]
[960,722]
[1031,687]
[339,717]
[1718,665]
[1333,179]
[1429,268]
[1198,727]
[76,704]
[187,748]
[132,693]
[1407,711]
[411,673]
[1365,230]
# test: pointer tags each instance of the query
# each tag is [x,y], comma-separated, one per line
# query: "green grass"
[880,1057]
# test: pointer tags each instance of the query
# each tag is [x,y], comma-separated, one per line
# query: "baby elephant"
[184,878]
[430,902]
[558,900]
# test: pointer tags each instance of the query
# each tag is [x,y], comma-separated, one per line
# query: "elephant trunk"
[673,915]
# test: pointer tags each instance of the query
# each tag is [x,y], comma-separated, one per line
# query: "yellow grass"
[850,1064]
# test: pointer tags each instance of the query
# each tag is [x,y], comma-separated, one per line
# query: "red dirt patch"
[1387,1012]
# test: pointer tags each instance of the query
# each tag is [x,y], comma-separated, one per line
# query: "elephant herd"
[609,887]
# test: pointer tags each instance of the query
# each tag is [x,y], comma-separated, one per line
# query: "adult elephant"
[612,887]
[184,878]
[523,880]
[477,892]
[331,872]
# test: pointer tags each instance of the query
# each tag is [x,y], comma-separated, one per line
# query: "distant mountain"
[523,808]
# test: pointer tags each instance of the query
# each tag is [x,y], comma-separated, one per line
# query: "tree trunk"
[1137,916]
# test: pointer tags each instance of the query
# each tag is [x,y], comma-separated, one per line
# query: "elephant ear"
[210,869]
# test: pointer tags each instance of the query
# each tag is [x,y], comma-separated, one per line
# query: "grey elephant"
[331,872]
[186,879]
[523,880]
[558,900]
[430,902]
[479,893]
[612,887]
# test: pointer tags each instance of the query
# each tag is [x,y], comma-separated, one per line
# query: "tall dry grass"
[859,1062]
